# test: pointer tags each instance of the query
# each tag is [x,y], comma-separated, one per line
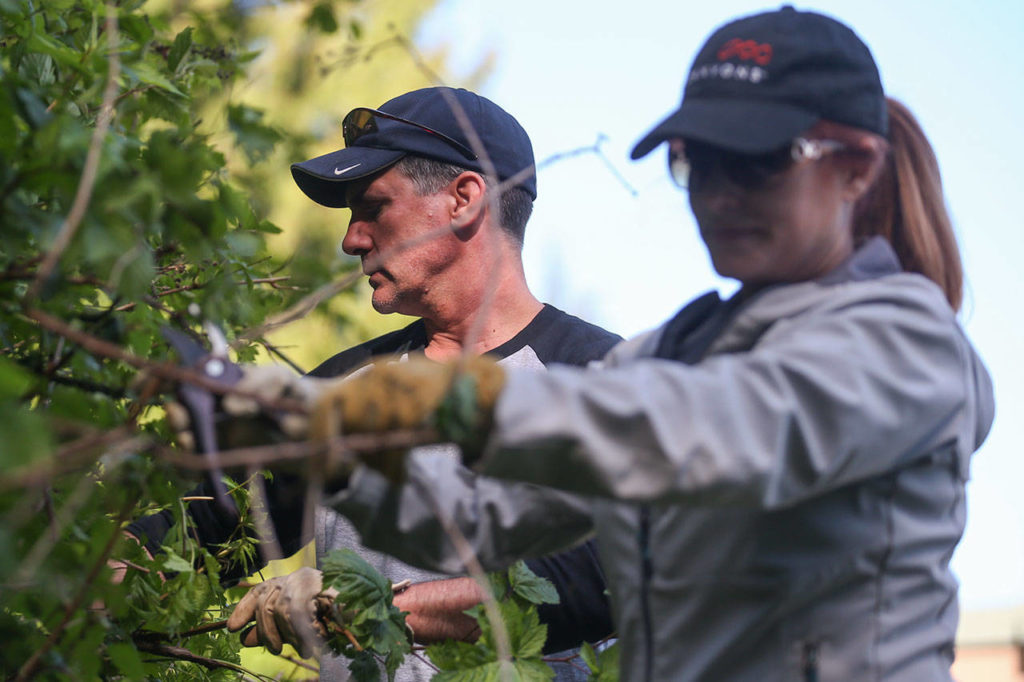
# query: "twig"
[345,631]
[300,663]
[69,458]
[183,654]
[262,455]
[131,564]
[150,636]
[163,370]
[300,309]
[92,160]
[416,651]
[274,350]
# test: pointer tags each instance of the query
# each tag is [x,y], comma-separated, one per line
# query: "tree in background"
[316,63]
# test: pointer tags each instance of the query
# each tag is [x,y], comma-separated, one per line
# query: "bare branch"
[262,455]
[164,370]
[183,654]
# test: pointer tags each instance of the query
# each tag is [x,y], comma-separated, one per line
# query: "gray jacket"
[780,505]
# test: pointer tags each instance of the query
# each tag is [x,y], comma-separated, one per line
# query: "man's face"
[402,239]
[793,227]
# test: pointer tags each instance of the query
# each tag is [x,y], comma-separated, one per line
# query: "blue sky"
[620,247]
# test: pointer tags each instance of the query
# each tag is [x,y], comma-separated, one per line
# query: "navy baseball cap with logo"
[761,80]
[423,123]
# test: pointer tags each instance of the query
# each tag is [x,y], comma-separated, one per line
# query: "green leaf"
[322,18]
[453,655]
[182,43]
[608,664]
[149,75]
[172,562]
[127,660]
[530,586]
[244,244]
[40,42]
[363,586]
[363,667]
[364,607]
[14,380]
[589,657]
[25,436]
[255,137]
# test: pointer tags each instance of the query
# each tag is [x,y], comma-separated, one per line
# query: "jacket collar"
[709,322]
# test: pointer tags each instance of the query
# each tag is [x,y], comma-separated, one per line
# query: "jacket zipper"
[646,570]
[809,664]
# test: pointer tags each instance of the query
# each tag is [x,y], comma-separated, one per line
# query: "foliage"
[140,182]
[517,592]
[119,217]
[369,625]
[603,664]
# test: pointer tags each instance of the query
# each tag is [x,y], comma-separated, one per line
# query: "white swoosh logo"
[342,171]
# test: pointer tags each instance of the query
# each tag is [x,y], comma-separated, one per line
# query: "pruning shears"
[201,403]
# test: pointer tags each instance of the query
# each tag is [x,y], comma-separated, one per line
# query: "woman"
[779,477]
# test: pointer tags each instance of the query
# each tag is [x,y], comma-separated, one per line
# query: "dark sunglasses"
[750,171]
[363,121]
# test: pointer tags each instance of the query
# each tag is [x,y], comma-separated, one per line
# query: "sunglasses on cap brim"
[362,121]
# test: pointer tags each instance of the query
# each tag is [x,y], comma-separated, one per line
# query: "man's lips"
[377,277]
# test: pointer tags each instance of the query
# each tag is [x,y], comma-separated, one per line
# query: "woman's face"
[791,225]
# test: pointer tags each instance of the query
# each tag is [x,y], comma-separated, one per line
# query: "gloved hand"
[457,400]
[247,424]
[274,383]
[291,609]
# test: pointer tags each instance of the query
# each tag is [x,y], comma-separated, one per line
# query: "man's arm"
[436,609]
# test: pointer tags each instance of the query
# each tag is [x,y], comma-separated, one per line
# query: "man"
[439,239]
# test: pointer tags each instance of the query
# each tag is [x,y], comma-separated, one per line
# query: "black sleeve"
[584,613]
[213,525]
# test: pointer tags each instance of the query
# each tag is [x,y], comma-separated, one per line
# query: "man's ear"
[469,192]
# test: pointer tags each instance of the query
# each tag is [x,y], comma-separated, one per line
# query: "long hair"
[906,205]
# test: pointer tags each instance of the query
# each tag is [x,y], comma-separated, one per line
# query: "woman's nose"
[713,191]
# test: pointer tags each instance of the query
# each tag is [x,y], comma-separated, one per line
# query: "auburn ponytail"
[906,205]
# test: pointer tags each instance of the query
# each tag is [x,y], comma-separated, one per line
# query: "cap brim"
[323,179]
[739,125]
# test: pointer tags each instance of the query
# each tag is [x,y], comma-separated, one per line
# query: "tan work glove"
[249,424]
[291,609]
[457,400]
[274,383]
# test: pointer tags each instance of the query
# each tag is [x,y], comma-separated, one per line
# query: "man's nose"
[357,240]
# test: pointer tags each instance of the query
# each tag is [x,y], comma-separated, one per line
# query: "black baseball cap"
[423,123]
[761,80]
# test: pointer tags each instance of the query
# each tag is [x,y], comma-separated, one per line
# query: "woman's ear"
[469,192]
[863,165]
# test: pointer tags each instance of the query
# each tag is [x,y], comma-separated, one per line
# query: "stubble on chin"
[386,302]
